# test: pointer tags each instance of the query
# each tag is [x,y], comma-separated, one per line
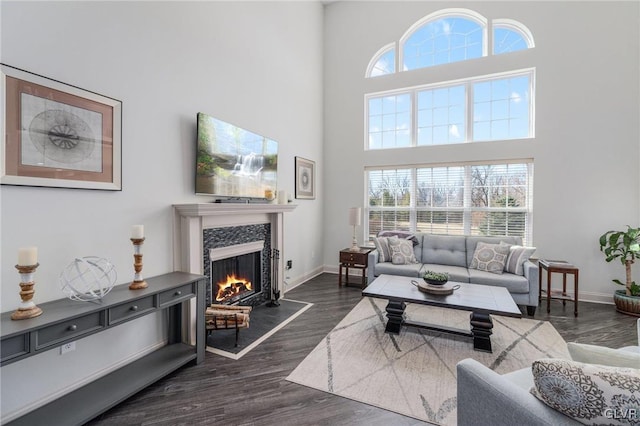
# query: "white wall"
[587,142]
[257,65]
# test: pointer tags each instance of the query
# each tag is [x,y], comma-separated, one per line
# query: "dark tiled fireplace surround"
[233,236]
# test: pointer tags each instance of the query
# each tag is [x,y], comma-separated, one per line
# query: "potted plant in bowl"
[625,246]
[435,278]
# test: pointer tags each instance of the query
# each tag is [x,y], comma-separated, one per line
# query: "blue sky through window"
[443,41]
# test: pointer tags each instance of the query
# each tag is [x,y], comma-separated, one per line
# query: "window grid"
[452,35]
[389,121]
[442,41]
[498,108]
[490,199]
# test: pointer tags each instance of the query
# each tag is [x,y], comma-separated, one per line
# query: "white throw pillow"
[592,354]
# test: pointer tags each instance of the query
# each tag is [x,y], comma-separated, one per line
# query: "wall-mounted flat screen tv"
[233,162]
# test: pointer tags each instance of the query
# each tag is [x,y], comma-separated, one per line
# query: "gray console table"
[64,321]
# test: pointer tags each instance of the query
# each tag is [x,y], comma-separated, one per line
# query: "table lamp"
[354,220]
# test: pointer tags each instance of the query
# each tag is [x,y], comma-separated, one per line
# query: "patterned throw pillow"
[382,245]
[490,257]
[517,256]
[402,252]
[589,393]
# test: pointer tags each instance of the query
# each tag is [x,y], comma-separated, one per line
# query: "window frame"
[467,208]
[441,14]
[376,57]
[468,113]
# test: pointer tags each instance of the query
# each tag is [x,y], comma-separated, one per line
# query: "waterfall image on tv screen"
[234,162]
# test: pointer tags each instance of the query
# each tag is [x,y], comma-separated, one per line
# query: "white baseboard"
[291,283]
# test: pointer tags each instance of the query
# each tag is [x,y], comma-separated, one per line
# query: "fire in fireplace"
[232,287]
[236,273]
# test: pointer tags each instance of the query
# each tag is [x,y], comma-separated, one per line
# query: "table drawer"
[181,293]
[130,310]
[14,346]
[71,329]
[357,258]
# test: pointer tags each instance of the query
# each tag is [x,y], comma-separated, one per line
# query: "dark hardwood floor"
[253,390]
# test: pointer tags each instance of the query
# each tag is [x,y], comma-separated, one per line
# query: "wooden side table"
[564,268]
[354,259]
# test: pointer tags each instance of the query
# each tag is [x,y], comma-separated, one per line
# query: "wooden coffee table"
[482,300]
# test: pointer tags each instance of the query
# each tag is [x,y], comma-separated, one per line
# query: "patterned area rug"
[414,373]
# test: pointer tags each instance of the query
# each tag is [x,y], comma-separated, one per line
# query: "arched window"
[449,35]
[510,36]
[383,62]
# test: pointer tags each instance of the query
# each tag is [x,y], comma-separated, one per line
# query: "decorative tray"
[442,290]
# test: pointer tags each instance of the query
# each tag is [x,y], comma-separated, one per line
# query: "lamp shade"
[354,216]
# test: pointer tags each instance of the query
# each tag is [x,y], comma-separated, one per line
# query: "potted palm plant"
[625,246]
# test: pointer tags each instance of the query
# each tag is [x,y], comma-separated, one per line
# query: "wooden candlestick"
[27,308]
[138,282]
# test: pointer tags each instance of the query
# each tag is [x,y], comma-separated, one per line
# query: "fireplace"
[236,272]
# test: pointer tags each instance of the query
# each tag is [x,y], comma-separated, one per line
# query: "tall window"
[464,199]
[500,107]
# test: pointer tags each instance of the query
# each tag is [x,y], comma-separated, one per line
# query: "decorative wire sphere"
[88,278]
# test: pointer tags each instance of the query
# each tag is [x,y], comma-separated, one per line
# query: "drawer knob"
[72,327]
[134,308]
[178,293]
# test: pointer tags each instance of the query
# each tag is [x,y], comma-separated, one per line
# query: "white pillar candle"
[27,256]
[137,231]
[282,197]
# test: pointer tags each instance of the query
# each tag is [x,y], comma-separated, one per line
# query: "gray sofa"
[453,254]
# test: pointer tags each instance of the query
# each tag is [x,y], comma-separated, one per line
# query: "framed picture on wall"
[58,135]
[305,179]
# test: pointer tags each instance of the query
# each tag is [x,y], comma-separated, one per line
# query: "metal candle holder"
[138,282]
[27,308]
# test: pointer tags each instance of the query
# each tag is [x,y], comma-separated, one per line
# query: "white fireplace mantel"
[191,219]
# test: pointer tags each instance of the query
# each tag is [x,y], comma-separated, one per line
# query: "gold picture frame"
[58,135]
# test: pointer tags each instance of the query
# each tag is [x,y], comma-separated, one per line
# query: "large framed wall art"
[58,135]
[305,179]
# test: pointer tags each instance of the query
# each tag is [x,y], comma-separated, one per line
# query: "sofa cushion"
[513,283]
[602,355]
[471,243]
[517,256]
[382,245]
[444,250]
[412,270]
[588,393]
[402,252]
[456,273]
[490,257]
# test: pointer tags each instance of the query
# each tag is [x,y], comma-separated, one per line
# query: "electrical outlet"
[67,347]
[289,264]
